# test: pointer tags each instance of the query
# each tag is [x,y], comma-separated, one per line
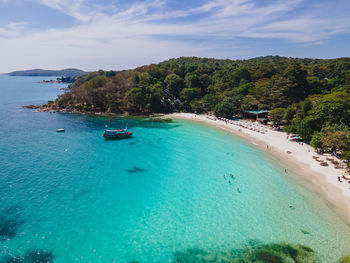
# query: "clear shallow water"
[90,200]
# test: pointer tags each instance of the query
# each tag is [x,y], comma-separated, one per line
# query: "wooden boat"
[117,134]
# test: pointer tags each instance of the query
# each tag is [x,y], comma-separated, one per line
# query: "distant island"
[70,72]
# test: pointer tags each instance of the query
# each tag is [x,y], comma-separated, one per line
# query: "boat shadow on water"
[136,169]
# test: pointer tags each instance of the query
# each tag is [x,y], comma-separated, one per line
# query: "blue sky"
[120,34]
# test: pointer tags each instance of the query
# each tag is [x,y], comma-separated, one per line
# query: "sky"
[123,34]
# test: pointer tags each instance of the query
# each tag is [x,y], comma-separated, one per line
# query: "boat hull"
[117,136]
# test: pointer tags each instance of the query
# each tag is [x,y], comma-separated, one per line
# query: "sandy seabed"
[297,158]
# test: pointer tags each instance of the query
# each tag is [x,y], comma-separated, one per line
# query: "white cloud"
[130,37]
[78,9]
[12,29]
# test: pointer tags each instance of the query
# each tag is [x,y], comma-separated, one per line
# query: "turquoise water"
[85,199]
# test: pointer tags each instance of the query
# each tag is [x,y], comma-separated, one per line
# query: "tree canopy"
[306,95]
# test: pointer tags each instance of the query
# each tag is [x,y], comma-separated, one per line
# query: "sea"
[76,197]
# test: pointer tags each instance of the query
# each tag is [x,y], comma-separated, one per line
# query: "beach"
[297,158]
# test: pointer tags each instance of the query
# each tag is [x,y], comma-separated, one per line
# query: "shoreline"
[307,172]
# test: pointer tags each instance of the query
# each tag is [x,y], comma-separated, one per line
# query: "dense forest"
[310,97]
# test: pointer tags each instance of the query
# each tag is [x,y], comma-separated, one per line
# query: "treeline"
[309,96]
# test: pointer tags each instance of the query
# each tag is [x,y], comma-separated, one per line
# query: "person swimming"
[238,190]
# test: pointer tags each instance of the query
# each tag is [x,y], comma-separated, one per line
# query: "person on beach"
[339,179]
[285,170]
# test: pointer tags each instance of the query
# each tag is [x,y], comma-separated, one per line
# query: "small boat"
[60,130]
[117,134]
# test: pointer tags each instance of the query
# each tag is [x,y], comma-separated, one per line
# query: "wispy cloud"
[149,31]
[82,10]
[12,29]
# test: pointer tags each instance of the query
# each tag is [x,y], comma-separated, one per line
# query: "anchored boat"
[117,134]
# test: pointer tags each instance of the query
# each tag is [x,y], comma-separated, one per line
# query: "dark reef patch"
[136,169]
[13,259]
[158,125]
[39,256]
[32,256]
[12,210]
[254,251]
[10,221]
[160,120]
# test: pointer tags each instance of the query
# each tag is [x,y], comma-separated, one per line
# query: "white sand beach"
[296,157]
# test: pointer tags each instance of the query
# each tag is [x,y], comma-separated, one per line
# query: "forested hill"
[307,95]
[71,72]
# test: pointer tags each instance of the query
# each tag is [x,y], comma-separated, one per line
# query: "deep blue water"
[85,199]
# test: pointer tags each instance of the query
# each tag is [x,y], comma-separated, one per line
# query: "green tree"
[155,97]
[189,94]
[174,83]
[289,114]
[210,101]
[316,141]
[339,140]
[280,92]
[113,102]
[96,82]
[197,106]
[239,75]
[192,80]
[135,99]
[276,116]
[306,106]
[225,109]
[297,75]
[331,109]
[300,127]
[249,103]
